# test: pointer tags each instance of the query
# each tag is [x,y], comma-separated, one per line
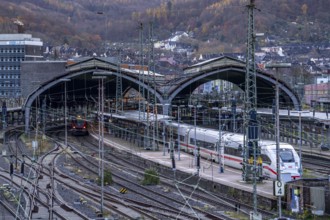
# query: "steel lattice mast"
[252,168]
[119,86]
[141,77]
[252,163]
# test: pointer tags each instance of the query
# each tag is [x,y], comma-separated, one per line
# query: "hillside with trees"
[216,25]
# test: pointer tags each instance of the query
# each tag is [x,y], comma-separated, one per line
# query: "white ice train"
[231,145]
[232,149]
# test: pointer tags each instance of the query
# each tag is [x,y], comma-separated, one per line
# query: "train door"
[189,141]
[184,143]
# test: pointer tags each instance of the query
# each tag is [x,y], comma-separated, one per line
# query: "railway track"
[51,183]
[122,182]
[184,193]
[316,164]
[34,194]
[35,197]
[122,158]
[145,196]
[90,192]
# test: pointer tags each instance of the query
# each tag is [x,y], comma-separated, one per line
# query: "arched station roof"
[233,70]
[82,87]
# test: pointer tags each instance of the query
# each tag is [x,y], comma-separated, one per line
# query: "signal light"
[250,149]
[11,169]
[22,167]
[173,163]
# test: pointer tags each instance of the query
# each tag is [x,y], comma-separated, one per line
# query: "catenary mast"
[252,163]
[251,149]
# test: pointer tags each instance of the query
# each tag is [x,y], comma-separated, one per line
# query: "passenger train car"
[232,149]
[79,126]
[132,125]
[132,120]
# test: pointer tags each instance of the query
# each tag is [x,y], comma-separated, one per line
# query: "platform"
[209,170]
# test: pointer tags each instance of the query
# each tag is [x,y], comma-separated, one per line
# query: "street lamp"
[219,147]
[35,142]
[300,138]
[179,119]
[4,114]
[277,127]
[106,31]
[178,138]
[101,78]
[197,149]
[164,138]
[65,80]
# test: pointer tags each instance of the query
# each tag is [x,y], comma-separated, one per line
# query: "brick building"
[318,96]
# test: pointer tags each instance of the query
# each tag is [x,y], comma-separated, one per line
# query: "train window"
[200,143]
[176,144]
[265,159]
[204,144]
[79,122]
[232,151]
[228,150]
[286,155]
[211,147]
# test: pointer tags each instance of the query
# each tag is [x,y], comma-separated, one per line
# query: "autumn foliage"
[222,23]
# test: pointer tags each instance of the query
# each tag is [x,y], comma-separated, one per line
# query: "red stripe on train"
[230,158]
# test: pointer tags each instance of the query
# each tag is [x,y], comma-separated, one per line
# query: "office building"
[15,48]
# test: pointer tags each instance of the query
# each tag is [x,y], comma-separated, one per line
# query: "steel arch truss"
[130,79]
[235,73]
